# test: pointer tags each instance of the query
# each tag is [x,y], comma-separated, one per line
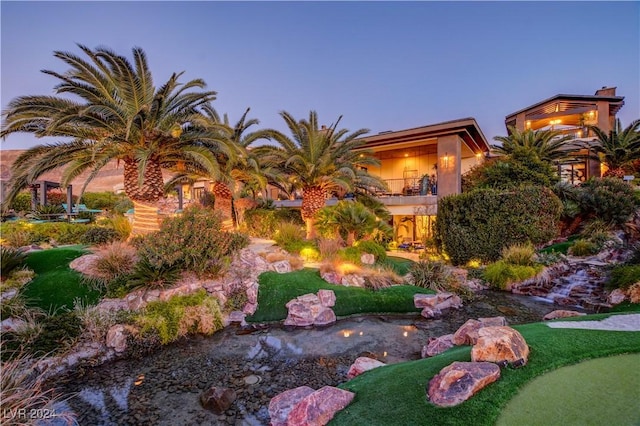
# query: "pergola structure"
[39,194]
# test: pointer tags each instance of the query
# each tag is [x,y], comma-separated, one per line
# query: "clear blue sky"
[382,65]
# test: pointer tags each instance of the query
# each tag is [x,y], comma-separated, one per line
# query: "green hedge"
[263,223]
[479,224]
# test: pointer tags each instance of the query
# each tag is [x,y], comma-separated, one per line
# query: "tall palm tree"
[618,149]
[322,160]
[245,167]
[548,145]
[115,112]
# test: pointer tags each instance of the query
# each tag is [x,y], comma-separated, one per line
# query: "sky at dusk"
[382,65]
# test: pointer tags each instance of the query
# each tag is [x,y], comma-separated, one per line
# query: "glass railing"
[408,187]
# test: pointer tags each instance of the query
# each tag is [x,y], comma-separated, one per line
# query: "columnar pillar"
[449,165]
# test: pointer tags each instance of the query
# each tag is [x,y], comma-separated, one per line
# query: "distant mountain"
[107,180]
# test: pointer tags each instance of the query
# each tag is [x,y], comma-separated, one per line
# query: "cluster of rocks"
[432,305]
[494,345]
[574,281]
[311,309]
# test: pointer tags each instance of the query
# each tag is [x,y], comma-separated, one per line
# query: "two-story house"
[571,115]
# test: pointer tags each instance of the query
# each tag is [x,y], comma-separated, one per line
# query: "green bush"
[500,274]
[289,236]
[193,241]
[103,200]
[10,259]
[608,199]
[181,315]
[583,248]
[350,254]
[623,276]
[153,275]
[98,235]
[432,275]
[264,223]
[479,224]
[373,248]
[22,203]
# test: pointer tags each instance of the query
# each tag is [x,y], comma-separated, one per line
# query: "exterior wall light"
[445,160]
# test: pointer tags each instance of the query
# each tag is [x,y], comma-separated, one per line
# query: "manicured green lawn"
[396,394]
[562,247]
[600,391]
[399,264]
[278,289]
[56,285]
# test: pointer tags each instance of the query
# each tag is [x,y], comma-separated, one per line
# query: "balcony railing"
[409,187]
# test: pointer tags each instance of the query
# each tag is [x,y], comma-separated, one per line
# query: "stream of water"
[164,388]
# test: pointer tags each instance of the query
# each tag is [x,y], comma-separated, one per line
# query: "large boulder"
[459,381]
[467,334]
[327,298]
[218,399]
[318,408]
[362,364]
[616,297]
[437,345]
[502,345]
[280,405]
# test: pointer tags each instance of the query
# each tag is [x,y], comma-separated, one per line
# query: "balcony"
[411,187]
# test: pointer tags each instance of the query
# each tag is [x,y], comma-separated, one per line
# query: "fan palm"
[117,114]
[548,145]
[618,149]
[322,160]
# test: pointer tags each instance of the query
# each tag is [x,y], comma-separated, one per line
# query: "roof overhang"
[466,128]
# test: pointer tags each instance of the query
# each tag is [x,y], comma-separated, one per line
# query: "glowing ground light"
[139,380]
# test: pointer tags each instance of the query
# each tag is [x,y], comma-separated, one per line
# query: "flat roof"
[466,128]
[616,101]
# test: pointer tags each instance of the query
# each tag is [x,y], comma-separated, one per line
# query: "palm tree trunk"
[313,199]
[144,195]
[223,202]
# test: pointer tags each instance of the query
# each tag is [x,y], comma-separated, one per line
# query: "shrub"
[380,277]
[519,254]
[236,298]
[373,248]
[289,235]
[264,223]
[98,235]
[610,200]
[46,212]
[118,223]
[180,315]
[500,274]
[115,260]
[22,390]
[59,332]
[17,278]
[102,200]
[623,276]
[479,224]
[432,275]
[22,203]
[10,259]
[329,247]
[351,255]
[193,241]
[153,275]
[583,247]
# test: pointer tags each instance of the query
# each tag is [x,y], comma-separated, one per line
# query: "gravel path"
[626,322]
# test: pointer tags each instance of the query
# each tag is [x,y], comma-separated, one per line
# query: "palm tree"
[245,168]
[115,112]
[618,149]
[322,160]
[548,145]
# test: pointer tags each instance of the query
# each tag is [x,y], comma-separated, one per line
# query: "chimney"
[606,91]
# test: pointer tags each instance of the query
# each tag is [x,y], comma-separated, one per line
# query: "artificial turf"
[396,394]
[276,290]
[56,286]
[600,391]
